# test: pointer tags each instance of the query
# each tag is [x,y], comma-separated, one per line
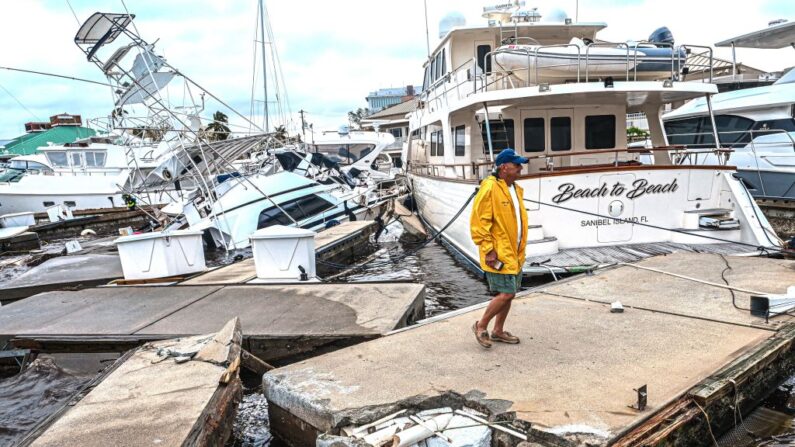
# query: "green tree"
[356,117]
[217,130]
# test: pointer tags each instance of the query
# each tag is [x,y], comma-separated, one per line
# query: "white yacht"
[590,199]
[91,173]
[755,125]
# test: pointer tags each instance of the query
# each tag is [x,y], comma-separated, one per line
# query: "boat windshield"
[11,175]
[344,154]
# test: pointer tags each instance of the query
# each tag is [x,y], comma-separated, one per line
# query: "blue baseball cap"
[509,156]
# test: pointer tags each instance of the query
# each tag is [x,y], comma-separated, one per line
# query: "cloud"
[333,53]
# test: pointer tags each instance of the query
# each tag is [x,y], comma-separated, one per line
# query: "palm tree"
[218,129]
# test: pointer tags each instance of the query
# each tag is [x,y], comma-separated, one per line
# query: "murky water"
[30,397]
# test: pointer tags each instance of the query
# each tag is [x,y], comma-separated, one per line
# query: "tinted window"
[501,135]
[683,132]
[483,63]
[600,132]
[298,209]
[439,143]
[459,141]
[433,144]
[534,135]
[76,159]
[787,125]
[560,133]
[731,130]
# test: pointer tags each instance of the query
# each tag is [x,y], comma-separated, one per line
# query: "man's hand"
[491,259]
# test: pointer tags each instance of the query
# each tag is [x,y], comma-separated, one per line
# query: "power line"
[20,103]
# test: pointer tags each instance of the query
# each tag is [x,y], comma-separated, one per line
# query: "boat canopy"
[102,27]
[773,37]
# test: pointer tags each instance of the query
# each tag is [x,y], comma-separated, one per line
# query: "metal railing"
[469,78]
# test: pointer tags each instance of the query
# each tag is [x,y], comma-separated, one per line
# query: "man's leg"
[499,320]
[495,308]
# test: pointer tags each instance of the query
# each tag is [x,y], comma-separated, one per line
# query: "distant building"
[386,97]
[62,128]
[395,120]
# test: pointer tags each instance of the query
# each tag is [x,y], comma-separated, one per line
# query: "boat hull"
[605,209]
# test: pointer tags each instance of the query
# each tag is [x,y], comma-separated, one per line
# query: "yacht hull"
[606,209]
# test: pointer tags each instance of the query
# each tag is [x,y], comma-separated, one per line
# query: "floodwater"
[30,397]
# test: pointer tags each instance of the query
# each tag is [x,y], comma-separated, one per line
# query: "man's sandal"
[482,337]
[505,337]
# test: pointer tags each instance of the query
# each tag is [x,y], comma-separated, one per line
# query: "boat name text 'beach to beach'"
[639,188]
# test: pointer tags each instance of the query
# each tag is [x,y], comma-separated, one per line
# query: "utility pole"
[303,123]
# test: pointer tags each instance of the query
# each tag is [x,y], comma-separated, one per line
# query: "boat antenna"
[264,62]
[576,11]
[427,37]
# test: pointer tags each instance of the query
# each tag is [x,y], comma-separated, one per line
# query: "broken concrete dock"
[281,321]
[573,378]
[172,392]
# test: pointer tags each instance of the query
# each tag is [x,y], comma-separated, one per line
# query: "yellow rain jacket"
[493,225]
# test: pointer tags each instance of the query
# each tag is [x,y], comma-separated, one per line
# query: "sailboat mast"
[264,61]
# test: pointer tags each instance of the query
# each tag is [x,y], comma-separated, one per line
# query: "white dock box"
[161,254]
[279,250]
[24,219]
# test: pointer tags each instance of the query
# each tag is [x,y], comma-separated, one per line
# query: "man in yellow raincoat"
[499,228]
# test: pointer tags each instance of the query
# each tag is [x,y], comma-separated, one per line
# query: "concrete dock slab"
[150,399]
[328,244]
[678,295]
[281,321]
[572,376]
[84,270]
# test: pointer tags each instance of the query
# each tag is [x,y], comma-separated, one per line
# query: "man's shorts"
[501,283]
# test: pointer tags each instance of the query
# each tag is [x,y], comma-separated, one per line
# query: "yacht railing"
[558,162]
[469,78]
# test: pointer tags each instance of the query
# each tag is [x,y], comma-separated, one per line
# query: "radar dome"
[555,15]
[450,21]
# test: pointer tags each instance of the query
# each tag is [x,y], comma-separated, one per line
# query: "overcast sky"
[332,52]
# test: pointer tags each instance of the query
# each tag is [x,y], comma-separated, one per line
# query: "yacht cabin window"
[57,159]
[76,159]
[600,132]
[95,159]
[501,135]
[534,135]
[397,132]
[437,143]
[459,141]
[560,133]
